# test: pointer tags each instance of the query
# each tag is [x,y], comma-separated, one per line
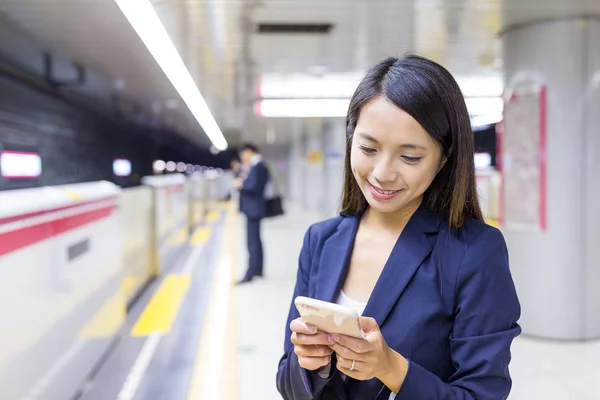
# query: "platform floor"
[208,339]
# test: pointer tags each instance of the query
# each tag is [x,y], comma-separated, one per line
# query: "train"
[74,259]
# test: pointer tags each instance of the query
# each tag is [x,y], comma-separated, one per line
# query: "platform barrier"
[207,190]
[198,194]
[170,217]
[139,261]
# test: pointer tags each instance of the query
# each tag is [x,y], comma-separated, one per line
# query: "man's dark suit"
[254,206]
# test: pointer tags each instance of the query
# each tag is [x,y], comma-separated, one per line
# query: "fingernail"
[330,339]
[312,329]
[335,337]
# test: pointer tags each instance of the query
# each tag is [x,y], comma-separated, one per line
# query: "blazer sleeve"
[257,180]
[486,314]
[293,381]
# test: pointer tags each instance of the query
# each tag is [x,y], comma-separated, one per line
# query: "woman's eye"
[367,150]
[411,160]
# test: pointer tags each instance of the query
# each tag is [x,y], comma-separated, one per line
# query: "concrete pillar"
[335,148]
[551,165]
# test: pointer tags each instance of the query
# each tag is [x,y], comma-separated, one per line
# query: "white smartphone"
[329,317]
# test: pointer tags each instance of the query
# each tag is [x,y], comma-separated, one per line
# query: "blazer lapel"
[412,247]
[335,259]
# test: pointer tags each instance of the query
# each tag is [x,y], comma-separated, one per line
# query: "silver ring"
[352,367]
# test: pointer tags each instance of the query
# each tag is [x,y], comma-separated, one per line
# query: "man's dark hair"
[249,146]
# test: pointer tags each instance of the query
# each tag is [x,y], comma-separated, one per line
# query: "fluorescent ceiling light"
[145,22]
[302,86]
[478,106]
[484,121]
[159,165]
[484,85]
[483,160]
[340,85]
[302,108]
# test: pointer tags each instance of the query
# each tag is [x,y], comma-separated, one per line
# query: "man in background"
[253,205]
[236,168]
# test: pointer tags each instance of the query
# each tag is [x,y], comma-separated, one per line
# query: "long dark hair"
[429,93]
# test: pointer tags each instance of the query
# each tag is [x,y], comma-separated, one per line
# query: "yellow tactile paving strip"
[160,313]
[205,380]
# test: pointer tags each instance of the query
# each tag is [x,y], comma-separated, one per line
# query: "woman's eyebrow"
[412,146]
[368,137]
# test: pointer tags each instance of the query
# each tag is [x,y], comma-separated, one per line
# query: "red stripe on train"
[7,220]
[21,238]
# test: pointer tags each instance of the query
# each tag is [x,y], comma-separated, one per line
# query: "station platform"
[195,335]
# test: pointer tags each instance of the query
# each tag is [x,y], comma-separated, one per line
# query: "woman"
[410,252]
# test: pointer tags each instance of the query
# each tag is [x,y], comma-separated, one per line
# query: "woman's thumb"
[368,324]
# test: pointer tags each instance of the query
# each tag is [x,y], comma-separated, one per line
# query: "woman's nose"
[385,171]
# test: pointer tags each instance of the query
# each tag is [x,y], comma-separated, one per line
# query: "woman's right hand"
[311,346]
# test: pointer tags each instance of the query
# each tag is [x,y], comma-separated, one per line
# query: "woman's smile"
[382,194]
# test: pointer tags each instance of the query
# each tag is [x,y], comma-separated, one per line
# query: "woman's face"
[393,159]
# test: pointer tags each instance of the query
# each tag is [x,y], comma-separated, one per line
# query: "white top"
[255,159]
[359,306]
[346,301]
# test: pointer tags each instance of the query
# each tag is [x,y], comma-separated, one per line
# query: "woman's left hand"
[371,356]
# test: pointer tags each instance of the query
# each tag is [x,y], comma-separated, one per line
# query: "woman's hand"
[371,356]
[311,346]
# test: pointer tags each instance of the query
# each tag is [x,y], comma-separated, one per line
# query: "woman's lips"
[382,194]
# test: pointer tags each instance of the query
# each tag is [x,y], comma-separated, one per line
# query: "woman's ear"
[442,163]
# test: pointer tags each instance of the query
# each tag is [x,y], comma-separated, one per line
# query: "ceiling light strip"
[142,17]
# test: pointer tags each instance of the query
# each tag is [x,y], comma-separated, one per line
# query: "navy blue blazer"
[252,193]
[445,300]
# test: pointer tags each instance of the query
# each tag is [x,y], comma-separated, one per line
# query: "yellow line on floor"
[130,285]
[201,235]
[213,217]
[160,313]
[178,237]
[231,351]
[214,368]
[107,320]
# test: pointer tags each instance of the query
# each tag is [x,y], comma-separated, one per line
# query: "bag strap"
[273,179]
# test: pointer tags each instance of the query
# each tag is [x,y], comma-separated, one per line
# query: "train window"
[20,165]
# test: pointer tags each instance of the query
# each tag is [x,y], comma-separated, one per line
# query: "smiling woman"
[410,253]
[413,115]
[396,160]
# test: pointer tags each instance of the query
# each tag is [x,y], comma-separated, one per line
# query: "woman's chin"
[384,206]
[385,209]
